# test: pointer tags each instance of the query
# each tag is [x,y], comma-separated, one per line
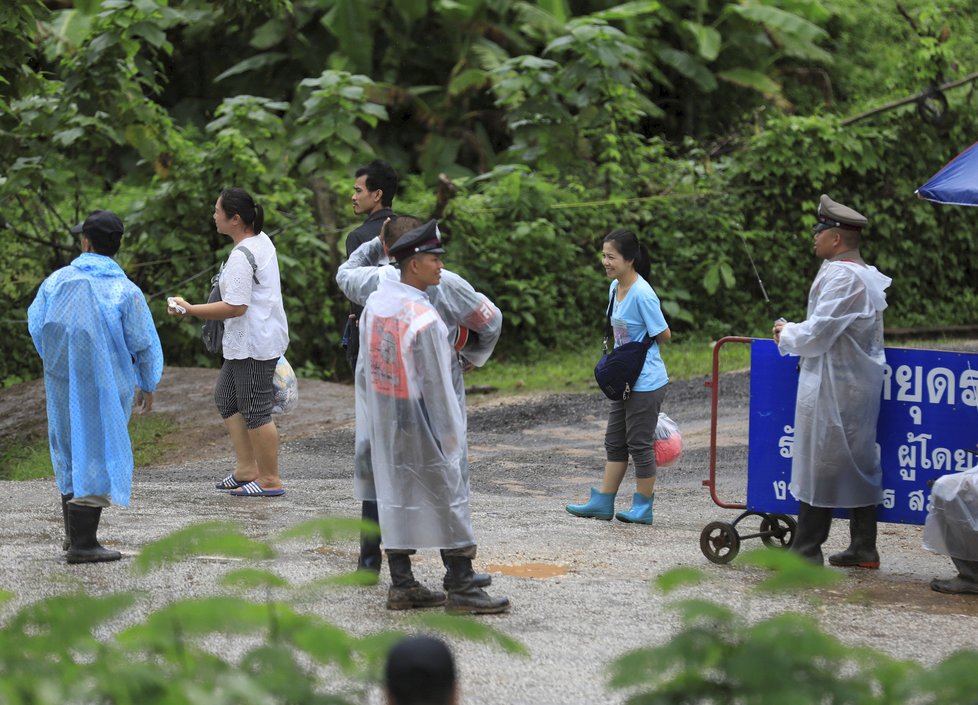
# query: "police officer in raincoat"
[96,336]
[835,463]
[410,418]
[474,325]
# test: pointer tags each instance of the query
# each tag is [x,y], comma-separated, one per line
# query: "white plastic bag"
[668,442]
[285,386]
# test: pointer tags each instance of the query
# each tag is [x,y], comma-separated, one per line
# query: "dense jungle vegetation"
[529,128]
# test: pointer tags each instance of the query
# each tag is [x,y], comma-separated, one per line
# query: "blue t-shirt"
[637,316]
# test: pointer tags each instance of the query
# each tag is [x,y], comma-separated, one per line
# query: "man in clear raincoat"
[951,529]
[474,326]
[835,461]
[96,336]
[411,419]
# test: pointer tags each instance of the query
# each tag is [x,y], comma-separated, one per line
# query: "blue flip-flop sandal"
[253,489]
[229,483]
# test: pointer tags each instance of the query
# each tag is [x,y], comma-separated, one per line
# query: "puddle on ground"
[541,571]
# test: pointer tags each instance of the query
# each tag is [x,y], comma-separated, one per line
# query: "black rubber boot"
[405,592]
[482,580]
[371,557]
[66,544]
[862,541]
[464,596]
[812,531]
[83,525]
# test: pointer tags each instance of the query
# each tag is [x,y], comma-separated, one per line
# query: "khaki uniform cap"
[843,215]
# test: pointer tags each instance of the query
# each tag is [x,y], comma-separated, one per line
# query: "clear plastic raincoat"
[951,527]
[410,423]
[96,336]
[457,303]
[835,461]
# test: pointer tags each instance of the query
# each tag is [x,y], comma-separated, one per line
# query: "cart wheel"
[719,542]
[778,530]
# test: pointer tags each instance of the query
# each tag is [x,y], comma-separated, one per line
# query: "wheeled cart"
[928,427]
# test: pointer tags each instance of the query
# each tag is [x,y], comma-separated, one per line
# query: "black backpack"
[212,332]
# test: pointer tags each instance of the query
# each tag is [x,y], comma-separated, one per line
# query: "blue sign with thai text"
[928,427]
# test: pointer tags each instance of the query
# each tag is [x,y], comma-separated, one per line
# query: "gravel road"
[580,588]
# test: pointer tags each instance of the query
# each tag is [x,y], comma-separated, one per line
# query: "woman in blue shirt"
[635,315]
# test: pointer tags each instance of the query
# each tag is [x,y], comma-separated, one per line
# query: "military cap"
[836,215]
[424,238]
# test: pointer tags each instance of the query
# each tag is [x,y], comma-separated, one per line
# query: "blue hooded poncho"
[96,336]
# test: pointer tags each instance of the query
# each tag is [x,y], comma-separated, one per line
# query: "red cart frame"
[720,541]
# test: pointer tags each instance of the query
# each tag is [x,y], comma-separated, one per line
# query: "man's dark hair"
[105,244]
[380,175]
[420,671]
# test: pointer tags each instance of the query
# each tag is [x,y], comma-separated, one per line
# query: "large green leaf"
[252,63]
[780,20]
[350,21]
[755,80]
[707,39]
[690,67]
[628,10]
[411,10]
[557,9]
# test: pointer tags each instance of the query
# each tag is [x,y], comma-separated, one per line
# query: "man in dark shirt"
[373,195]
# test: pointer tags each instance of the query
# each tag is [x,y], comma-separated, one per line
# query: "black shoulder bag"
[212,332]
[618,370]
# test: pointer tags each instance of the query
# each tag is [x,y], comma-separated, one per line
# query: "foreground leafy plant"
[720,657]
[53,651]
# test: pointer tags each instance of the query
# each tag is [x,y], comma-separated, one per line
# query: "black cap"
[424,238]
[100,225]
[420,669]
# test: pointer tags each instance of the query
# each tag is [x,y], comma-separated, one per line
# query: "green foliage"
[719,656]
[49,651]
[709,128]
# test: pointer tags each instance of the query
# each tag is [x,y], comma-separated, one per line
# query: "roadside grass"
[571,371]
[31,459]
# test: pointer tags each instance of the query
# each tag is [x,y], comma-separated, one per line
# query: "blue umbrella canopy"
[957,183]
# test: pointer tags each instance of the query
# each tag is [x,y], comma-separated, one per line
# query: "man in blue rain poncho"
[474,325]
[835,462]
[96,337]
[410,418]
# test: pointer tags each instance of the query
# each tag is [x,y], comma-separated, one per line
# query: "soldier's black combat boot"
[862,541]
[83,525]
[405,592]
[812,531]
[482,580]
[464,596]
